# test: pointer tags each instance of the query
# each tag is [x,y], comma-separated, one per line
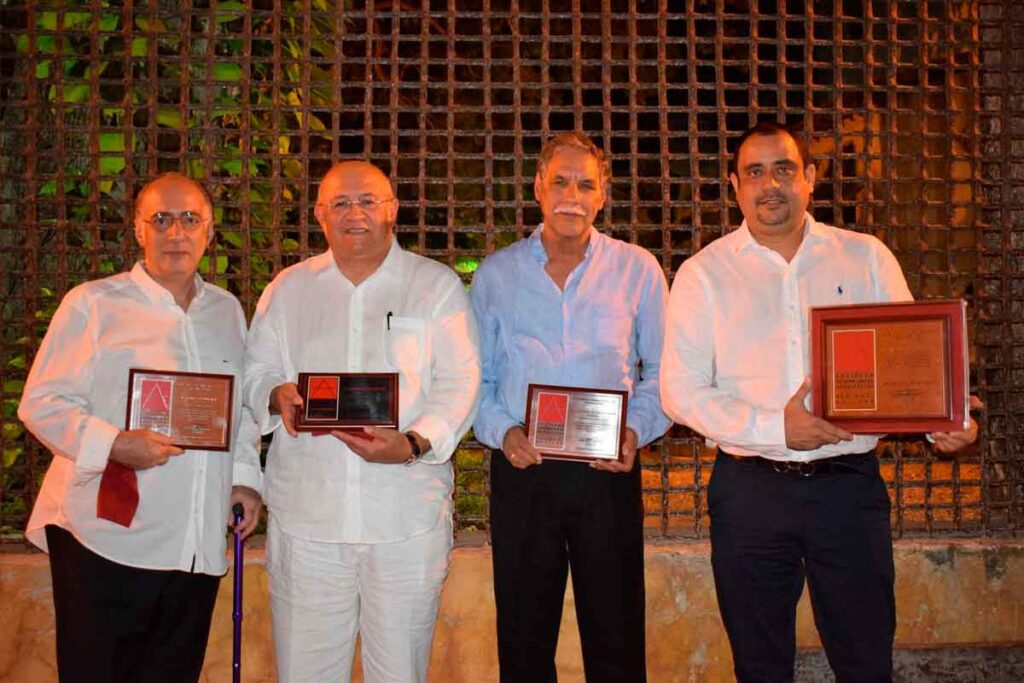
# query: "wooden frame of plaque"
[892,368]
[171,401]
[324,413]
[558,436]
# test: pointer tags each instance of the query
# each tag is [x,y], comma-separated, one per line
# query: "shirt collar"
[324,264]
[813,232]
[157,293]
[538,251]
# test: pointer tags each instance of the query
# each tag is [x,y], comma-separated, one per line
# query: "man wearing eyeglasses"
[360,524]
[135,525]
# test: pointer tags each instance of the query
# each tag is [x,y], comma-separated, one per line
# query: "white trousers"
[322,594]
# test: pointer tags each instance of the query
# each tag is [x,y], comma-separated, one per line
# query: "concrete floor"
[944,665]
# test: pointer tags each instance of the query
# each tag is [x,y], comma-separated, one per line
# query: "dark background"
[916,109]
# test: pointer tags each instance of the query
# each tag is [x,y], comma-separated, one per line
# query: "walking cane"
[236,660]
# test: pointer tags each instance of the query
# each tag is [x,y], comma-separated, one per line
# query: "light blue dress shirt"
[604,330]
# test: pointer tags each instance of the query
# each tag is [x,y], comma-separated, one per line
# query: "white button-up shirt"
[737,344]
[74,402]
[313,319]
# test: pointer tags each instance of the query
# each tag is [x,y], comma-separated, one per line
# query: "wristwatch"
[417,452]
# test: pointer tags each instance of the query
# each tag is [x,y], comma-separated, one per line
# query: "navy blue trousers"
[546,520]
[772,530]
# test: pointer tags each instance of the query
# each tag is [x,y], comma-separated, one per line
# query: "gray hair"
[579,141]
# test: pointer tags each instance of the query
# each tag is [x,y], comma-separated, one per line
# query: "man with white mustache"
[568,306]
[360,525]
[792,496]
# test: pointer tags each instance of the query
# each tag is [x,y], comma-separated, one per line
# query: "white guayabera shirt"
[75,399]
[412,317]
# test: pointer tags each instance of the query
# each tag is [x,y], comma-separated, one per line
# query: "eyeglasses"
[163,220]
[364,204]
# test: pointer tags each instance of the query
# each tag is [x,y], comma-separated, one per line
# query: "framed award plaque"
[192,408]
[891,368]
[572,423]
[347,400]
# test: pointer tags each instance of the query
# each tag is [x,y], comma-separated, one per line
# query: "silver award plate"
[574,423]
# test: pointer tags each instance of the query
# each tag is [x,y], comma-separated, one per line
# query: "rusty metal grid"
[916,109]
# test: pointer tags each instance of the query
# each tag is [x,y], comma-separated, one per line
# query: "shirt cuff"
[94,450]
[259,397]
[436,431]
[639,434]
[772,425]
[497,433]
[247,475]
[639,426]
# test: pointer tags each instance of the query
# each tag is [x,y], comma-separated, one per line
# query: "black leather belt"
[844,463]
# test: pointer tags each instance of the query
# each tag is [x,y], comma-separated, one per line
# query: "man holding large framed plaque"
[571,332]
[359,497]
[792,495]
[133,391]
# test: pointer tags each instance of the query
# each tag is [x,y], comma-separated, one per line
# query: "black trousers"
[545,520]
[117,623]
[770,530]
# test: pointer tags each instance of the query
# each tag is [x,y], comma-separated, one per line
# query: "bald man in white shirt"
[357,542]
[791,495]
[134,525]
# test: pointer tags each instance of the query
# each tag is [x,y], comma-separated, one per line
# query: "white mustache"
[571,210]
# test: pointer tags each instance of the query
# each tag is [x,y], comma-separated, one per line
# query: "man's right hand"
[285,400]
[518,449]
[804,431]
[140,449]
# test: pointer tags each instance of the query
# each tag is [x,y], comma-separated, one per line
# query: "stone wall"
[951,595]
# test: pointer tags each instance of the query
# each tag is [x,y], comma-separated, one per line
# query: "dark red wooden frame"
[953,313]
[301,425]
[142,372]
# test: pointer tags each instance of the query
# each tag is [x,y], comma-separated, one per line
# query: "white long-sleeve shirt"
[737,344]
[312,319]
[74,402]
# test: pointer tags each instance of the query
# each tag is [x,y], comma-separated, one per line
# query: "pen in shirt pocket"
[387,321]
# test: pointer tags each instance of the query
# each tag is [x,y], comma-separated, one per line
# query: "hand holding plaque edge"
[949,442]
[628,451]
[286,401]
[518,450]
[380,444]
[805,431]
[140,449]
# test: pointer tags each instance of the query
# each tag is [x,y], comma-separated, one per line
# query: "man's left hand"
[252,504]
[377,444]
[628,456]
[948,442]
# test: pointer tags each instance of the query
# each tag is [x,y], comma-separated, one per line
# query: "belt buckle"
[804,469]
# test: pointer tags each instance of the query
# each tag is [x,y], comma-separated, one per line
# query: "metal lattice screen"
[916,107]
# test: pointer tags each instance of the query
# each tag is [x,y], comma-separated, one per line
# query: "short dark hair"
[771,128]
[207,198]
[580,141]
